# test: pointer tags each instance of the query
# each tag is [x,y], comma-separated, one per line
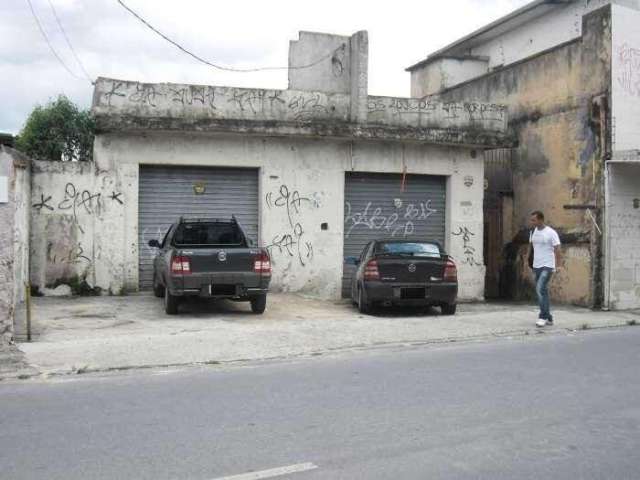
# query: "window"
[193,234]
[415,249]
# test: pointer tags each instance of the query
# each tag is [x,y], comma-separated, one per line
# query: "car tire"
[448,308]
[259,304]
[158,290]
[363,305]
[170,303]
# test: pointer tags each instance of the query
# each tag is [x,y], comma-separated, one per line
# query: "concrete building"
[569,72]
[15,197]
[312,172]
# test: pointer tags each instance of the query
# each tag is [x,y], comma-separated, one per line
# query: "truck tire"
[170,303]
[158,290]
[448,308]
[259,304]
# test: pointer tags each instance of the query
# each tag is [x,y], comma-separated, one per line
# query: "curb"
[32,372]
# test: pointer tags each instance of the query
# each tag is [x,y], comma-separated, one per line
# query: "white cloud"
[243,33]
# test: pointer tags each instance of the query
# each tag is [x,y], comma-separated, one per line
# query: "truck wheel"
[363,305]
[158,290]
[448,308]
[170,303]
[259,304]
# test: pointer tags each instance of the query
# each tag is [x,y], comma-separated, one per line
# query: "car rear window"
[415,249]
[205,234]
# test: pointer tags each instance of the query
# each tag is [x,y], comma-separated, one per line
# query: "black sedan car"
[404,273]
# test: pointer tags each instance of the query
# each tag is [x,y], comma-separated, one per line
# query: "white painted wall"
[561,24]
[78,225]
[314,168]
[625,82]
[623,233]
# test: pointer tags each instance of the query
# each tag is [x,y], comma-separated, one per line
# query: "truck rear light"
[180,265]
[262,264]
[450,271]
[371,271]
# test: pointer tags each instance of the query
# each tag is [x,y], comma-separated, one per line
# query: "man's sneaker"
[550,321]
[541,322]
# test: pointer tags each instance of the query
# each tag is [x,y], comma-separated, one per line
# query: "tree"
[58,131]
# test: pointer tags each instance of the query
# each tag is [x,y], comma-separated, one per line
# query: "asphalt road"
[553,407]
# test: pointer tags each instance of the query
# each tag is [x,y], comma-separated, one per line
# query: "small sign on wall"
[4,189]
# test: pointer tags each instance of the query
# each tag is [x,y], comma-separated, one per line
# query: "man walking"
[546,258]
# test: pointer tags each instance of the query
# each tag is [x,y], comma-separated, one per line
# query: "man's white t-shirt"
[544,242]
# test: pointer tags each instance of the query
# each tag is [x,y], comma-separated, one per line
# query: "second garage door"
[384,206]
[166,193]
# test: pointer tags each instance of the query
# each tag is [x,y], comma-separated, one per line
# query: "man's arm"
[556,251]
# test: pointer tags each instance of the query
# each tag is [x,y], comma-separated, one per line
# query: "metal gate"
[166,193]
[390,206]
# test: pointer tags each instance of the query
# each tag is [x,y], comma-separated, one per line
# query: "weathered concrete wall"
[315,170]
[78,224]
[14,175]
[433,113]
[623,235]
[170,100]
[7,218]
[557,23]
[445,73]
[558,103]
[328,62]
[133,100]
[626,78]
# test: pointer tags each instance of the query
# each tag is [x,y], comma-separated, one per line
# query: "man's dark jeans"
[543,276]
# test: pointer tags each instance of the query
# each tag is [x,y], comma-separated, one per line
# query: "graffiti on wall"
[629,69]
[291,242]
[469,251]
[400,223]
[232,101]
[77,202]
[426,106]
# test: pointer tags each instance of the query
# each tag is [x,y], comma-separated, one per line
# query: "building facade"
[312,172]
[570,74]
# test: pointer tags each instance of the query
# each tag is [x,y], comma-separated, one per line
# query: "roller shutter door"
[378,206]
[166,193]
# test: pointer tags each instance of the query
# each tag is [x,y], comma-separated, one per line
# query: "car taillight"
[371,271]
[180,265]
[262,264]
[450,271]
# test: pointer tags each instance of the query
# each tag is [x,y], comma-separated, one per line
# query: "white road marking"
[274,472]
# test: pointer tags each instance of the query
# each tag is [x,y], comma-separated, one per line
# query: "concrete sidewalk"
[85,334]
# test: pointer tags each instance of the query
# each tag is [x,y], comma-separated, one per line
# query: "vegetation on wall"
[58,131]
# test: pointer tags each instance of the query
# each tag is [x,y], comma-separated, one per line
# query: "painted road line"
[274,472]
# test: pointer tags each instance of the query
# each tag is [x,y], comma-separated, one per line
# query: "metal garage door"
[380,206]
[166,193]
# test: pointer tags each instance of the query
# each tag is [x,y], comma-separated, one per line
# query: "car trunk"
[410,269]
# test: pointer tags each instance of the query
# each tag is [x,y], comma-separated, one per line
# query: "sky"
[241,33]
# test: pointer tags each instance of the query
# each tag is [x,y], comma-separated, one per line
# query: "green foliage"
[58,131]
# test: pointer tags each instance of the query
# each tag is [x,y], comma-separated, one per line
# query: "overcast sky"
[239,33]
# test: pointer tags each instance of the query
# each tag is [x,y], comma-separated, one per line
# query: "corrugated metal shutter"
[166,193]
[377,207]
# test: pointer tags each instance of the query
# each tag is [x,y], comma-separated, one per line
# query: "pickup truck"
[210,258]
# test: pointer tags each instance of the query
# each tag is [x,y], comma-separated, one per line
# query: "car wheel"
[158,290]
[363,305]
[448,308]
[170,303]
[259,304]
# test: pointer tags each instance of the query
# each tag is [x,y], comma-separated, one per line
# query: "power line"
[46,39]
[64,34]
[220,67]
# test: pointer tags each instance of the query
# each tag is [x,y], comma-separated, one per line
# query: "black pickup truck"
[210,258]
